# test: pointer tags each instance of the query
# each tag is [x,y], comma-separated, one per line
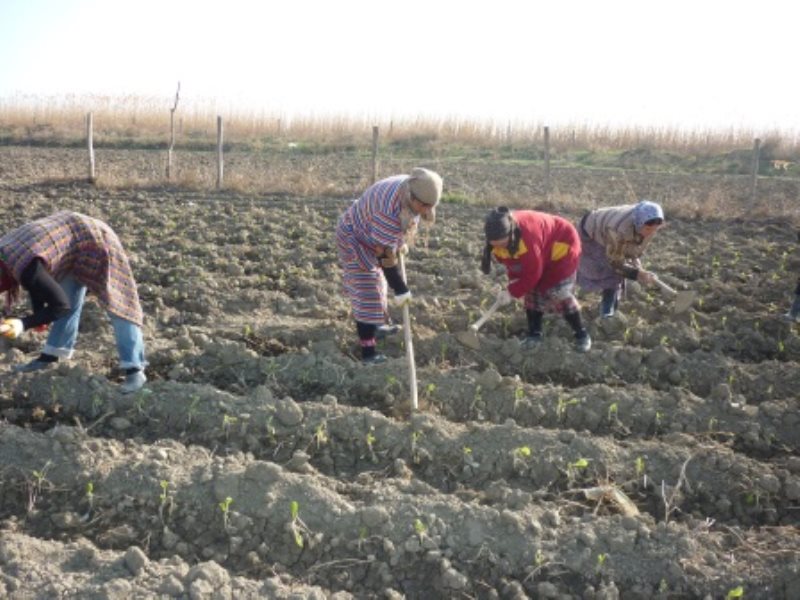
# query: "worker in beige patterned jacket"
[613,240]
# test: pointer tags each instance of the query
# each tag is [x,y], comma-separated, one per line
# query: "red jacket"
[548,253]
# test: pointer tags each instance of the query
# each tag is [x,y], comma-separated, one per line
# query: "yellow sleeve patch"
[559,251]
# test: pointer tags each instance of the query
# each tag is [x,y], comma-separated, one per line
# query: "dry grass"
[483,162]
[141,120]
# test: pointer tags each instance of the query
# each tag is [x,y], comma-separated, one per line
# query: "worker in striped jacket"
[613,241]
[369,236]
[56,260]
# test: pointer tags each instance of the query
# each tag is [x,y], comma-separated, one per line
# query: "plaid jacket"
[84,247]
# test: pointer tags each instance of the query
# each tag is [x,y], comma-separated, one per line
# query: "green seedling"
[781,346]
[191,411]
[429,389]
[420,528]
[664,340]
[227,422]
[164,498]
[89,497]
[415,435]
[539,558]
[737,592]
[601,560]
[613,409]
[225,507]
[663,586]
[477,397]
[640,466]
[370,440]
[579,464]
[712,424]
[35,485]
[297,526]
[563,404]
[321,435]
[523,452]
[271,431]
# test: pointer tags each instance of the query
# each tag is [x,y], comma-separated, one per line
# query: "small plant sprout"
[89,496]
[579,464]
[321,435]
[563,404]
[737,592]
[415,435]
[429,389]
[640,465]
[664,340]
[601,560]
[297,526]
[35,485]
[781,346]
[523,452]
[227,422]
[225,507]
[712,424]
[191,411]
[420,528]
[391,381]
[539,558]
[613,409]
[663,586]
[164,499]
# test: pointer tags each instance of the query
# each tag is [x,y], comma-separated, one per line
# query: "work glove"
[646,277]
[11,328]
[503,297]
[401,300]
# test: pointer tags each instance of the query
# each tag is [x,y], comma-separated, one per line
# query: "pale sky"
[688,64]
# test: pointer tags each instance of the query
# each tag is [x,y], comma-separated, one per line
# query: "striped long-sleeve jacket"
[613,228]
[373,221]
[69,243]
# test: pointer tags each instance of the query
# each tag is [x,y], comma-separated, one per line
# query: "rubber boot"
[535,336]
[794,311]
[608,304]
[583,341]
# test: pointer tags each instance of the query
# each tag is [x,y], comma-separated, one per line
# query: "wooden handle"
[671,291]
[479,323]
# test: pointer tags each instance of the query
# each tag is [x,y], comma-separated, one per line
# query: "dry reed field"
[263,460]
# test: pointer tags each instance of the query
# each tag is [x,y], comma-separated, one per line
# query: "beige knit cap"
[426,186]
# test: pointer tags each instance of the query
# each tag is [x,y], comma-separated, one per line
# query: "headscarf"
[646,211]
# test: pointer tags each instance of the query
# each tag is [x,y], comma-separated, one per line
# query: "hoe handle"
[670,290]
[479,323]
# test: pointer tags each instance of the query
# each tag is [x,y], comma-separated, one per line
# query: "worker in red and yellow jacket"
[541,253]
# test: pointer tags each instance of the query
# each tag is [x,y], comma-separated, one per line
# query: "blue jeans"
[64,331]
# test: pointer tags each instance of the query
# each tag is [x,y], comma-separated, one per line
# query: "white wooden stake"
[90,143]
[412,368]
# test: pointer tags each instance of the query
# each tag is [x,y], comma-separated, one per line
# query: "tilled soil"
[263,460]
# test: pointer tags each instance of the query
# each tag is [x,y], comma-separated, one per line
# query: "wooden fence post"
[547,161]
[374,153]
[90,143]
[172,131]
[754,175]
[219,153]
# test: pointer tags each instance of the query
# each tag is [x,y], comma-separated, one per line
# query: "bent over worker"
[540,252]
[56,260]
[369,236]
[613,240]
